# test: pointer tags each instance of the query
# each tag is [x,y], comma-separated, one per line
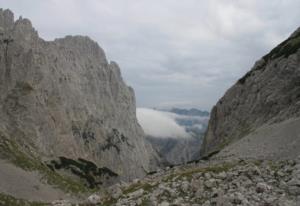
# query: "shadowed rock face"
[269,93]
[63,98]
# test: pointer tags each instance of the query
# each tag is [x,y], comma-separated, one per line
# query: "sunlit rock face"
[268,94]
[62,98]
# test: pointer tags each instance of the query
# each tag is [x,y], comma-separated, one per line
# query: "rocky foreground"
[234,182]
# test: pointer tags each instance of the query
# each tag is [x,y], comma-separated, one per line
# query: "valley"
[71,132]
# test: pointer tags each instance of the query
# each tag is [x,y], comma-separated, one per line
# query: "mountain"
[259,115]
[180,150]
[251,150]
[65,111]
[189,112]
[176,151]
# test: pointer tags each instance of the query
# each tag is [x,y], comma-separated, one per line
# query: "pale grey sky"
[173,53]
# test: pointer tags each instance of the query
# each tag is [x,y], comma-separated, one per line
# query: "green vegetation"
[86,170]
[215,169]
[208,156]
[24,86]
[114,139]
[190,172]
[109,202]
[7,200]
[12,152]
[243,79]
[146,202]
[134,187]
[286,48]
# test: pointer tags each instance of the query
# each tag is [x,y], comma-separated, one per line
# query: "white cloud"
[160,124]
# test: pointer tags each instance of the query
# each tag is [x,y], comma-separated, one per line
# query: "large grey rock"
[63,98]
[269,93]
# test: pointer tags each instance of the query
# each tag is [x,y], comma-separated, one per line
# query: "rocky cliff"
[63,103]
[267,95]
[176,151]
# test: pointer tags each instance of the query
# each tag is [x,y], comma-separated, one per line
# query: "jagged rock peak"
[84,45]
[20,29]
[6,18]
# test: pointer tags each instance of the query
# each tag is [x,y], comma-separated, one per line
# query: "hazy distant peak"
[189,112]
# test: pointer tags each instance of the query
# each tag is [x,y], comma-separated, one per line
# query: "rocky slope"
[65,108]
[213,183]
[267,95]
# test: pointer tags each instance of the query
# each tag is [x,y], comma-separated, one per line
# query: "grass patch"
[22,158]
[188,174]
[84,169]
[285,49]
[109,202]
[275,166]
[170,177]
[134,187]
[7,200]
[146,202]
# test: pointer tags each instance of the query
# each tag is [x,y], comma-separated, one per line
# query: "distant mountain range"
[193,120]
[190,112]
[182,150]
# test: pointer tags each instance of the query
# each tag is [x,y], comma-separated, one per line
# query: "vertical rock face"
[63,98]
[269,93]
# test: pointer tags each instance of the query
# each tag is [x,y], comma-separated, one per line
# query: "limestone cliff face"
[63,98]
[269,93]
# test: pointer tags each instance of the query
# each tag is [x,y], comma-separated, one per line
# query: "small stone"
[164,204]
[136,194]
[115,191]
[262,187]
[139,201]
[185,186]
[210,183]
[294,182]
[61,203]
[94,199]
[206,203]
[238,198]
[207,175]
[222,175]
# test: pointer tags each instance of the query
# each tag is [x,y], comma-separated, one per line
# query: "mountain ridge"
[269,93]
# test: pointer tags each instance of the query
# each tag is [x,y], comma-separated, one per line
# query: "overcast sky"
[173,53]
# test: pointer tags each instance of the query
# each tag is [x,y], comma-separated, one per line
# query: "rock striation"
[63,99]
[267,95]
[176,151]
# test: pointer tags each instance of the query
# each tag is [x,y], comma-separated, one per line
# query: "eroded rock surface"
[269,93]
[62,98]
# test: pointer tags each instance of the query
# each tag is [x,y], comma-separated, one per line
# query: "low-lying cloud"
[160,124]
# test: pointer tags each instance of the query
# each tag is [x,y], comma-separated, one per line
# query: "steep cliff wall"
[269,93]
[62,98]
